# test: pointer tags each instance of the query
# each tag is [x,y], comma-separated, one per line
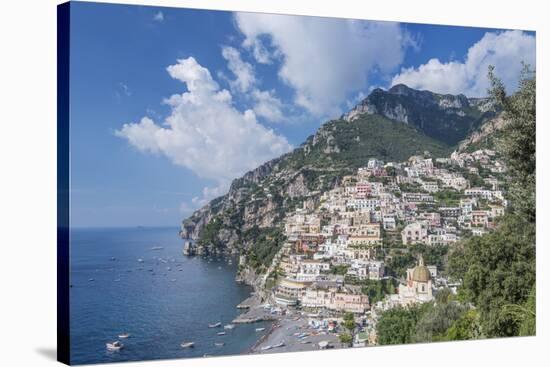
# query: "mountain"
[445,117]
[391,126]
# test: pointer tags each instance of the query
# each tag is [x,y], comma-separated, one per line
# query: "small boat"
[124,336]
[229,327]
[113,259]
[267,347]
[260,329]
[281,344]
[114,346]
[117,280]
[140,260]
[219,344]
[187,345]
[91,280]
[221,333]
[217,324]
[172,280]
[156,248]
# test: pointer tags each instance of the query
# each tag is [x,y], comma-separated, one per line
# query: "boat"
[140,260]
[114,346]
[267,347]
[219,344]
[187,344]
[221,333]
[260,329]
[156,248]
[217,324]
[281,344]
[229,327]
[124,336]
[91,280]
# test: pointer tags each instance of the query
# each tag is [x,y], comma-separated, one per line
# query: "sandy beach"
[289,332]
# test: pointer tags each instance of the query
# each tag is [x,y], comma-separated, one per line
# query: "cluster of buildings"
[333,248]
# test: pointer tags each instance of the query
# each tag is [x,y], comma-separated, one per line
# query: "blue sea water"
[161,302]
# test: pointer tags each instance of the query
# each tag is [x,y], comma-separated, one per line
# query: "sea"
[137,281]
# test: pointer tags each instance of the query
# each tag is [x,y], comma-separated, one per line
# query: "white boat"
[124,336]
[221,333]
[260,329]
[281,344]
[187,344]
[156,248]
[114,346]
[217,324]
[219,344]
[267,347]
[140,260]
[229,327]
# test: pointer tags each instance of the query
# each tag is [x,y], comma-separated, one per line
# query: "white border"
[28,160]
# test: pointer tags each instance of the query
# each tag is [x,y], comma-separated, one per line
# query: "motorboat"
[217,324]
[221,333]
[229,327]
[187,344]
[124,336]
[260,329]
[219,344]
[114,346]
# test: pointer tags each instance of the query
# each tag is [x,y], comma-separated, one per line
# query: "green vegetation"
[209,234]
[346,339]
[339,269]
[378,289]
[448,197]
[498,269]
[263,245]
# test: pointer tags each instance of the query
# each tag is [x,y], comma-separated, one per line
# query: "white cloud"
[323,59]
[266,103]
[504,50]
[158,17]
[205,132]
[243,71]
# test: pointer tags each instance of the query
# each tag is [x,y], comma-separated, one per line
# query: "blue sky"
[168,105]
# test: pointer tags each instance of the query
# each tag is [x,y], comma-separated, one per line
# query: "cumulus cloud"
[243,71]
[323,59]
[504,50]
[266,103]
[205,132]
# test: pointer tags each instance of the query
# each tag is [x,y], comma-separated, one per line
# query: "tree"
[397,325]
[498,269]
[349,321]
[433,324]
[466,327]
[519,139]
[346,339]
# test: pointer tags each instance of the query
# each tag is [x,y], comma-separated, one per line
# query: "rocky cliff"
[448,118]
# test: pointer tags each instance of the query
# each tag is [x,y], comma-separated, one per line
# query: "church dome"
[421,274]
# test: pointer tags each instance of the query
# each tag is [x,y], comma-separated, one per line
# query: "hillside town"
[334,250]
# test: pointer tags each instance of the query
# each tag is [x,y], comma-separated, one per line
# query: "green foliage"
[519,139]
[447,197]
[466,327]
[264,243]
[433,324]
[209,234]
[369,136]
[397,325]
[349,321]
[378,289]
[497,269]
[339,269]
[346,338]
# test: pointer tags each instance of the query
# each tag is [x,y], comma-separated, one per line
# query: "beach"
[290,330]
